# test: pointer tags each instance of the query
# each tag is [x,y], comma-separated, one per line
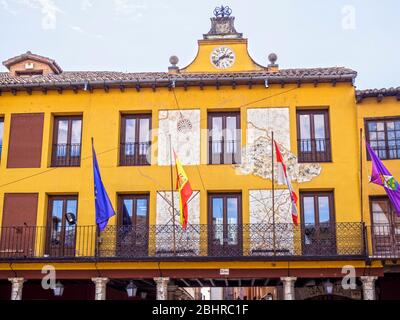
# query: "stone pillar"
[368,285]
[16,288]
[162,288]
[101,288]
[288,288]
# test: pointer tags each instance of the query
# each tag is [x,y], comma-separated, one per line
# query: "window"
[67,142]
[1,134]
[384,137]
[386,227]
[133,230]
[135,140]
[225,219]
[61,230]
[224,138]
[317,220]
[313,142]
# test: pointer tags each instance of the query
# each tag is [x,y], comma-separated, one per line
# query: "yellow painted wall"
[101,113]
[101,120]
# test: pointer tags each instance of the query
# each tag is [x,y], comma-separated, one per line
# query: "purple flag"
[381,176]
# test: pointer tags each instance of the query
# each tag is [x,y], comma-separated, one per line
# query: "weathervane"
[222,11]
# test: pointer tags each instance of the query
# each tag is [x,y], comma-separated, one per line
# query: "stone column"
[368,285]
[162,288]
[288,288]
[16,288]
[101,288]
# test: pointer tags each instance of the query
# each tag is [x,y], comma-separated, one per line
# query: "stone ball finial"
[173,60]
[272,57]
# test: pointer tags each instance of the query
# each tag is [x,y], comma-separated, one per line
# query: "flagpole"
[172,195]
[273,193]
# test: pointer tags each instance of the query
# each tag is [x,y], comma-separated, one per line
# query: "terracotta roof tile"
[107,77]
[375,93]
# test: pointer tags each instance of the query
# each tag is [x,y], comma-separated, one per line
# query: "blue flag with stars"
[104,209]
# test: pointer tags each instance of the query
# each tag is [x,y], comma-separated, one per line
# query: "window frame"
[315,195]
[225,196]
[316,156]
[367,132]
[134,197]
[133,160]
[238,153]
[49,223]
[69,161]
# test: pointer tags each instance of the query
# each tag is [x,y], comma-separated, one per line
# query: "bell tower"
[223,48]
[223,25]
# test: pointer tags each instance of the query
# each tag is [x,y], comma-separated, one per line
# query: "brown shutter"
[20,209]
[18,226]
[26,135]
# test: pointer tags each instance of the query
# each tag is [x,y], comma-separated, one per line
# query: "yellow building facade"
[218,114]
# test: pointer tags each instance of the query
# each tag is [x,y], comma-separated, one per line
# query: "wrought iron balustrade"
[385,240]
[224,151]
[163,242]
[135,154]
[66,155]
[314,150]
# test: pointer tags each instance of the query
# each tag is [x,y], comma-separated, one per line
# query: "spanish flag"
[185,192]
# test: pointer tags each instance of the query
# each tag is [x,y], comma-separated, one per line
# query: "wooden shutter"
[26,135]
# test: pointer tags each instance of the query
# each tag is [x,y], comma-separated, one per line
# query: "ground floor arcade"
[197,280]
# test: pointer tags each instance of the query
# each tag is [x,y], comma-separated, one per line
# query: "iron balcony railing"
[66,155]
[385,240]
[159,242]
[314,150]
[135,154]
[224,151]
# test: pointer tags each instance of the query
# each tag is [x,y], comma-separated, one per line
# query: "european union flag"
[104,209]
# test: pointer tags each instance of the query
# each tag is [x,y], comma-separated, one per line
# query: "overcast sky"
[140,35]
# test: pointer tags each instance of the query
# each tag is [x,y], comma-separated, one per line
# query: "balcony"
[385,240]
[224,151]
[314,150]
[199,242]
[135,154]
[66,155]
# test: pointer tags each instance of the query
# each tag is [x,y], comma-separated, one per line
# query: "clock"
[222,57]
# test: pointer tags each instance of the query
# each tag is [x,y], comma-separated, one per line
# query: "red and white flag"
[283,178]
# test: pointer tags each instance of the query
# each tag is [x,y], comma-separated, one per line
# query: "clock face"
[222,57]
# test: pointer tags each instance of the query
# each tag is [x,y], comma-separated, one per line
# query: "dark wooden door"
[61,233]
[225,218]
[318,224]
[133,226]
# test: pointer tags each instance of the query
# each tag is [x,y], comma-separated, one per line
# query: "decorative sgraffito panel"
[180,242]
[183,126]
[257,154]
[262,121]
[267,238]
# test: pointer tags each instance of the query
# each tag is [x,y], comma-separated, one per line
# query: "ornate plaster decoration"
[257,154]
[186,242]
[280,237]
[184,128]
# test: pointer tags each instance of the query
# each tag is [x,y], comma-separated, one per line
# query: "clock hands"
[223,57]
